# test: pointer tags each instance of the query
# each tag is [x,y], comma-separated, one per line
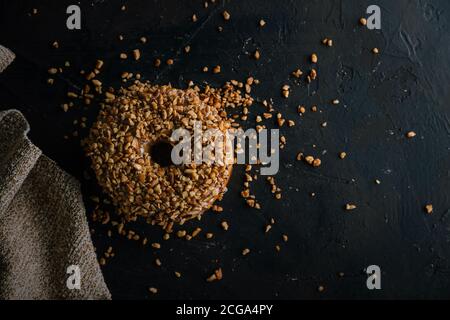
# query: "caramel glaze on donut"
[138,118]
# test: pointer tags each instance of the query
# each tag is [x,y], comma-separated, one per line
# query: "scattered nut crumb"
[297,73]
[226,15]
[317,163]
[156,245]
[411,134]
[136,54]
[216,276]
[216,69]
[225,225]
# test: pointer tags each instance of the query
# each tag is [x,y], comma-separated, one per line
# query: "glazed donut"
[126,142]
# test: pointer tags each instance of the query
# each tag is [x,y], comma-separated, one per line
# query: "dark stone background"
[382,97]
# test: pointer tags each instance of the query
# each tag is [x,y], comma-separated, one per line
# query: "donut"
[130,145]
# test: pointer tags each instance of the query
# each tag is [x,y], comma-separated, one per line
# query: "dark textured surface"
[382,98]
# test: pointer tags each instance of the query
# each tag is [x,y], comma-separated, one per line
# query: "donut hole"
[161,153]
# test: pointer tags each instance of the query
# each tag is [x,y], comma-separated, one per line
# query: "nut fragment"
[216,276]
[136,54]
[297,73]
[429,208]
[226,15]
[156,245]
[225,225]
[411,134]
[309,159]
[317,162]
[217,69]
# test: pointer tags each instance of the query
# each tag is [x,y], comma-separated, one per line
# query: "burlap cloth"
[43,225]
